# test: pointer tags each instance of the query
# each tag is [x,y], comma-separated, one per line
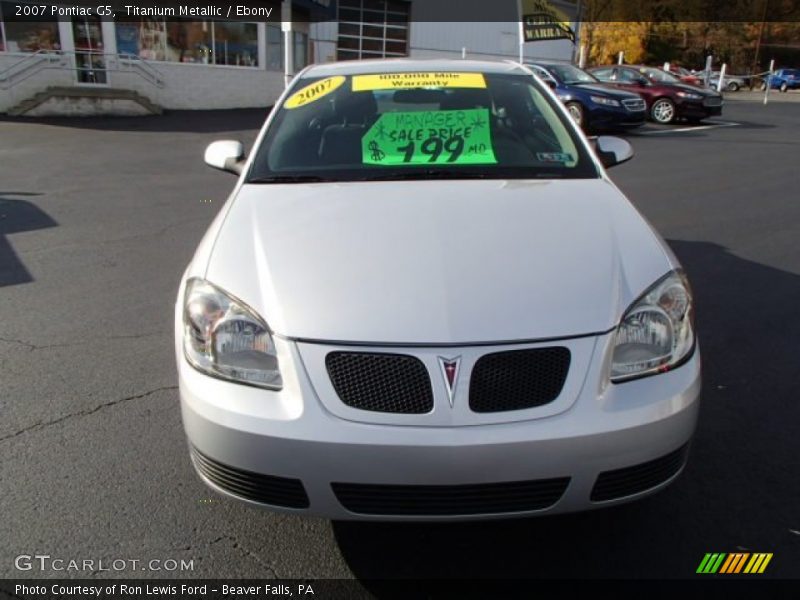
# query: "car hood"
[436,262]
[691,89]
[605,90]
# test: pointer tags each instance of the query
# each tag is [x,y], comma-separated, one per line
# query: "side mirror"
[226,155]
[612,151]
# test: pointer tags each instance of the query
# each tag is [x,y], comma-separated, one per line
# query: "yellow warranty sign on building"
[542,21]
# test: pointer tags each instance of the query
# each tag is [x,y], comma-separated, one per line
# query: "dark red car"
[666,97]
[686,76]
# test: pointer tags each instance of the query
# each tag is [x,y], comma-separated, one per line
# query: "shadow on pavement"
[17,216]
[187,121]
[738,493]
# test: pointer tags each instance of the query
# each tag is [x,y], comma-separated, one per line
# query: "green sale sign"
[439,137]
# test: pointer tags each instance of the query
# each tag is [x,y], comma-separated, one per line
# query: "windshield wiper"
[425,174]
[289,179]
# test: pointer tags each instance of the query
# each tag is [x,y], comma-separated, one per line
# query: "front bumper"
[691,109]
[287,451]
[610,117]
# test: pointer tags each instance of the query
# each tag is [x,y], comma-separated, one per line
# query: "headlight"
[690,95]
[603,100]
[656,334]
[224,337]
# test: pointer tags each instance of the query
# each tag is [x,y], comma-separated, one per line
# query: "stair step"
[84,92]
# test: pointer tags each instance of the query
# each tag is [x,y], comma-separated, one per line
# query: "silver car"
[733,83]
[425,299]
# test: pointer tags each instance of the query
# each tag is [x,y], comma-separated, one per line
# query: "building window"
[275,48]
[300,50]
[32,35]
[372,29]
[199,42]
[146,39]
[189,42]
[236,44]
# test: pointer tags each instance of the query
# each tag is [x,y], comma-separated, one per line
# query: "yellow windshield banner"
[398,81]
[314,92]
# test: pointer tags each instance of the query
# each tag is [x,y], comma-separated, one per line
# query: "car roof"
[548,63]
[401,65]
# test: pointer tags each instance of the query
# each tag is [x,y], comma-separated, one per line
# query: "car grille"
[454,500]
[619,483]
[712,101]
[266,489]
[393,383]
[518,379]
[634,104]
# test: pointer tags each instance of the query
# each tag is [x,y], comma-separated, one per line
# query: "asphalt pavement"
[98,219]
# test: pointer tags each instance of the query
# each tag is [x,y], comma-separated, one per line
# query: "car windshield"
[658,75]
[571,75]
[418,125]
[792,72]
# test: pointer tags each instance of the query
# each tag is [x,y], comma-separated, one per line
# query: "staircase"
[85,101]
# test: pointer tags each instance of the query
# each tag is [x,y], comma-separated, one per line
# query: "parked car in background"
[732,83]
[686,76]
[591,104]
[783,80]
[667,98]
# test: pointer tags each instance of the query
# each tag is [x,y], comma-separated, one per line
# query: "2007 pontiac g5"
[425,299]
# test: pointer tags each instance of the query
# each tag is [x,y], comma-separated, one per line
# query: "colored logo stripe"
[734,562]
[714,562]
[758,563]
[711,563]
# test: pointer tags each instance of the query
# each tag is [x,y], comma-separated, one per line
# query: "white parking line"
[695,128]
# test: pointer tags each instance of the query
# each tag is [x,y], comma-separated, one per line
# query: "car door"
[545,76]
[628,78]
[631,80]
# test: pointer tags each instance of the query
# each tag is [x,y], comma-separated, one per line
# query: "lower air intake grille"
[611,485]
[518,379]
[393,383]
[455,500]
[266,489]
[634,104]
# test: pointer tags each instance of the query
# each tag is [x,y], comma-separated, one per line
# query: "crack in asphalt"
[84,413]
[35,347]
[247,552]
[27,345]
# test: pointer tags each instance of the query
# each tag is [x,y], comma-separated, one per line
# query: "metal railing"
[29,65]
[100,62]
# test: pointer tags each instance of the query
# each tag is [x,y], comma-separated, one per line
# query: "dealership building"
[144,63]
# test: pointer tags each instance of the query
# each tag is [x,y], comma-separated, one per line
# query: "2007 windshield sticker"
[394,81]
[456,137]
[314,92]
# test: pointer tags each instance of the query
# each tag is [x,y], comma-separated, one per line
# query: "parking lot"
[98,219]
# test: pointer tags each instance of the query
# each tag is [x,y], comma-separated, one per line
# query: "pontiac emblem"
[449,367]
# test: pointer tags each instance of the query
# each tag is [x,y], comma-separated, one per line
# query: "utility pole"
[754,70]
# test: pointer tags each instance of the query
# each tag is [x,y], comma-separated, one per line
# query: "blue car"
[592,104]
[783,80]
